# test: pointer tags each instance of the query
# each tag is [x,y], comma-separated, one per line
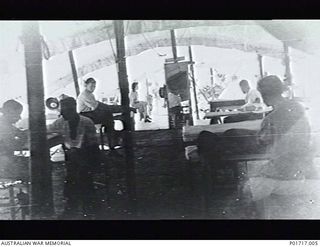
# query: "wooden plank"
[170,60]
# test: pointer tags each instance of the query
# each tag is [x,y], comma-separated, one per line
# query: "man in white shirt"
[253,101]
[253,97]
[98,112]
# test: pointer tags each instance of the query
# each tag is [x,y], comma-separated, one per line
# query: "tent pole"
[193,82]
[174,45]
[260,65]
[124,90]
[74,72]
[212,84]
[41,182]
[287,64]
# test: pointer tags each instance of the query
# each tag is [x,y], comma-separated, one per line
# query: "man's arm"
[265,135]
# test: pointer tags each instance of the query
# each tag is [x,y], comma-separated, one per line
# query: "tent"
[96,40]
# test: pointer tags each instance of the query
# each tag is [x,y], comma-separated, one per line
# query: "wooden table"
[216,104]
[211,115]
[191,133]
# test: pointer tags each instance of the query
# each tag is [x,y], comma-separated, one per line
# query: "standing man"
[82,155]
[12,139]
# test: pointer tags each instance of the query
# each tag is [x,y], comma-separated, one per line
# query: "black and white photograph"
[159,120]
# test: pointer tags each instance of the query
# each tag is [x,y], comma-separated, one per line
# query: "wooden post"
[193,82]
[174,45]
[147,85]
[287,64]
[74,72]
[124,90]
[212,83]
[260,65]
[12,204]
[41,181]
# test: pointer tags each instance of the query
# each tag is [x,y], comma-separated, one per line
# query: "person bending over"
[82,156]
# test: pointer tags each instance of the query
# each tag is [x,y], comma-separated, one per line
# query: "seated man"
[284,134]
[98,112]
[142,106]
[253,97]
[253,101]
[82,155]
[12,139]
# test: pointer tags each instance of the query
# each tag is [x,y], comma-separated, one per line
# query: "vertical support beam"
[41,181]
[212,83]
[260,65]
[174,45]
[147,85]
[74,72]
[193,83]
[124,90]
[12,204]
[287,64]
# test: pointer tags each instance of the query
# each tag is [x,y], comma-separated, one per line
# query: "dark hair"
[243,82]
[68,101]
[134,85]
[10,105]
[89,80]
[270,85]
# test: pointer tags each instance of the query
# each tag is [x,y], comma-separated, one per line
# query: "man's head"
[11,111]
[271,89]
[244,85]
[134,86]
[68,108]
[90,84]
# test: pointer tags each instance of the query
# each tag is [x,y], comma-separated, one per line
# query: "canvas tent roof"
[303,35]
[263,37]
[144,35]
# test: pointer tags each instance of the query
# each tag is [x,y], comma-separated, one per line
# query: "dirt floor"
[167,186]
